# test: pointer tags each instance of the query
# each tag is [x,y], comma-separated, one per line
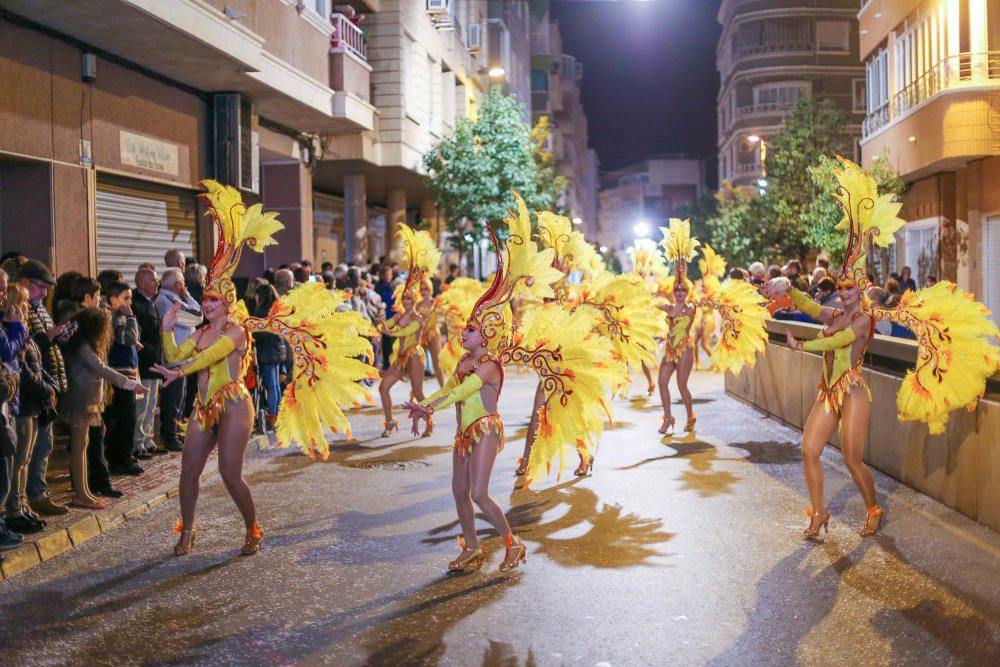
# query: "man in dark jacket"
[151,352]
[119,416]
[36,278]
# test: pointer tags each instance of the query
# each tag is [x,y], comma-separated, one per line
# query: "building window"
[833,36]
[780,95]
[860,96]
[877,75]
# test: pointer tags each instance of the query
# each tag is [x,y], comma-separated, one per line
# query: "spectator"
[817,275]
[194,280]
[931,281]
[15,445]
[301,275]
[84,293]
[328,281]
[736,273]
[148,265]
[326,267]
[384,288]
[773,272]
[284,281]
[877,295]
[82,404]
[174,259]
[340,276]
[307,269]
[173,290]
[782,303]
[61,293]
[823,262]
[826,293]
[894,293]
[906,281]
[793,271]
[272,355]
[108,277]
[150,353]
[757,274]
[119,417]
[453,272]
[36,279]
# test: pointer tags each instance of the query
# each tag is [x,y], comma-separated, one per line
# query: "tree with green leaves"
[472,170]
[741,228]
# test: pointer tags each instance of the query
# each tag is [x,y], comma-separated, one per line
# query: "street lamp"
[497,72]
[577,221]
[641,229]
[604,249]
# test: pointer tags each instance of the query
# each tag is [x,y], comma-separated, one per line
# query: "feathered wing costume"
[456,303]
[421,258]
[325,343]
[648,264]
[739,305]
[956,340]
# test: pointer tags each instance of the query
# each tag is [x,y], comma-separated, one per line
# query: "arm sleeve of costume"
[172,352]
[469,386]
[842,338]
[215,352]
[101,369]
[443,391]
[805,304]
[397,331]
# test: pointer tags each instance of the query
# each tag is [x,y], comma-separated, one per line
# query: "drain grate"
[383,464]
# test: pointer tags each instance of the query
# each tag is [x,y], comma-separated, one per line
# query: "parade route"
[681,551]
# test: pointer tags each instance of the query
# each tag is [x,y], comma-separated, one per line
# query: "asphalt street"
[676,551]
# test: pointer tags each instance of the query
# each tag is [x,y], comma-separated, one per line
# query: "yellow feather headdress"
[678,244]
[420,256]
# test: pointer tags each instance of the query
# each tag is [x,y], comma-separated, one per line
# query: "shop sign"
[146,153]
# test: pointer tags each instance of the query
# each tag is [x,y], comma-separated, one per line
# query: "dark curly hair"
[94,330]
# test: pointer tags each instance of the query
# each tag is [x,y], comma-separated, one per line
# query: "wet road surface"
[676,551]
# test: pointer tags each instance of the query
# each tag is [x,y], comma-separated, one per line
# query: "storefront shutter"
[138,222]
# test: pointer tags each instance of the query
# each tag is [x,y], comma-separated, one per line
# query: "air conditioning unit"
[474,40]
[437,6]
[236,142]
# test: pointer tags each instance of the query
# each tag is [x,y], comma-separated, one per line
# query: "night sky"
[649,78]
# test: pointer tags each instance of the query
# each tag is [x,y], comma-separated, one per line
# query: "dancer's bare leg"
[434,347]
[649,379]
[461,488]
[235,425]
[415,370]
[666,370]
[484,453]
[390,376]
[684,365]
[853,433]
[819,426]
[529,439]
[198,445]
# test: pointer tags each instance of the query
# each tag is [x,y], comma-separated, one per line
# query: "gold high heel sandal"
[186,541]
[522,467]
[650,390]
[667,427]
[389,427]
[690,423]
[470,563]
[824,523]
[874,515]
[428,429]
[521,557]
[254,537]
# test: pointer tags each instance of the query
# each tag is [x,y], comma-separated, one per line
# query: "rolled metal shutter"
[991,267]
[139,222]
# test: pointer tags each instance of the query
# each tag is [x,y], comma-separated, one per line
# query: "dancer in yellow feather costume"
[421,258]
[954,357]
[713,268]
[649,269]
[575,328]
[738,305]
[324,377]
[491,343]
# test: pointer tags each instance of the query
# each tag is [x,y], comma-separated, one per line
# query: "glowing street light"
[604,249]
[497,72]
[753,139]
[577,221]
[641,229]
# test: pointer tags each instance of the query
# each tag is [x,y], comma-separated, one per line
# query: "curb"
[52,543]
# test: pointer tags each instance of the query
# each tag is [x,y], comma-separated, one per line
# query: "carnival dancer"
[712,266]
[324,377]
[491,343]
[421,257]
[649,269]
[739,307]
[954,356]
[429,308]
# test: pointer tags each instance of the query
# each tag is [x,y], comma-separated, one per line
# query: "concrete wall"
[960,468]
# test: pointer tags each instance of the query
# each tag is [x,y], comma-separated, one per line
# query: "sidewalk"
[156,485]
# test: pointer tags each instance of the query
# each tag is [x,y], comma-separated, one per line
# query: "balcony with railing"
[771,48]
[764,108]
[952,74]
[348,37]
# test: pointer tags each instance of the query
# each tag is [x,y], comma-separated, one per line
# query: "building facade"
[634,202]
[933,84]
[105,138]
[555,94]
[770,53]
[510,49]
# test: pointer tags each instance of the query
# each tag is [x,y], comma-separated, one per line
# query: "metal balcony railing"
[766,107]
[770,48]
[747,169]
[962,70]
[348,36]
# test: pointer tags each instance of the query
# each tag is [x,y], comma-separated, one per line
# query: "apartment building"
[933,82]
[770,53]
[555,93]
[635,201]
[111,124]
[510,49]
